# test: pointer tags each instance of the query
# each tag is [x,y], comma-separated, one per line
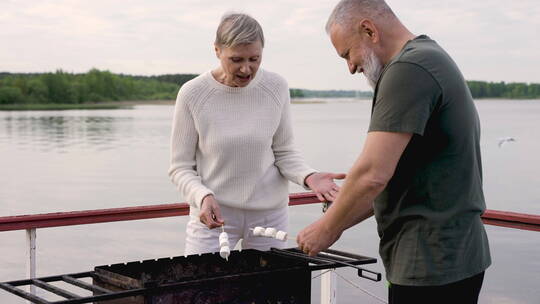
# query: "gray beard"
[372,69]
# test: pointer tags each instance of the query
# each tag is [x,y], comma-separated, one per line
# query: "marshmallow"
[223,242]
[270,232]
[224,252]
[223,236]
[258,231]
[281,235]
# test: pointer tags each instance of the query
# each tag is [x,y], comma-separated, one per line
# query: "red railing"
[21,222]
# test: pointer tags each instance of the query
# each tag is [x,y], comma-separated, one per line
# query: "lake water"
[77,160]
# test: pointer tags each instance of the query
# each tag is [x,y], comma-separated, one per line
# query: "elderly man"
[420,171]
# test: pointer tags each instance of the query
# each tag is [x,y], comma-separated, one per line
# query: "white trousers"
[200,239]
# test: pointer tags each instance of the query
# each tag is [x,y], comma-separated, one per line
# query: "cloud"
[489,39]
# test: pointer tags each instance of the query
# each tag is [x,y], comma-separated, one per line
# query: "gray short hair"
[346,10]
[236,28]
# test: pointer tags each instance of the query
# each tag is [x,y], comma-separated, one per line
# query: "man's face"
[360,58]
[240,63]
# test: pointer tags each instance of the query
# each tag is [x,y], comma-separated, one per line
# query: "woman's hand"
[322,183]
[210,213]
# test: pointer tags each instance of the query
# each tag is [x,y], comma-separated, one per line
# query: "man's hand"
[317,237]
[210,213]
[322,183]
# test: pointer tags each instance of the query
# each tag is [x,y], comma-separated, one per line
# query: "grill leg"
[329,288]
[329,279]
[31,256]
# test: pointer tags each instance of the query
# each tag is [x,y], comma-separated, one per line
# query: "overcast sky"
[490,40]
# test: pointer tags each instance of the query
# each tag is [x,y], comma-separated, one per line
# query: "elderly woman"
[232,150]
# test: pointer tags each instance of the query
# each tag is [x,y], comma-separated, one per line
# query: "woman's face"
[240,63]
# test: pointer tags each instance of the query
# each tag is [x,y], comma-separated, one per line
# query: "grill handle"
[377,275]
[320,259]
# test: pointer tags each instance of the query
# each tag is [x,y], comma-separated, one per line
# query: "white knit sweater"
[235,143]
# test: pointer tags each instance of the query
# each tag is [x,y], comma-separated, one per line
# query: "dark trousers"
[461,292]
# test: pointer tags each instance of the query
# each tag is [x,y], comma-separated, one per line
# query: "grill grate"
[206,278]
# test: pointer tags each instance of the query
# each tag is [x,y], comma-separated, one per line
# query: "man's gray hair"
[237,28]
[347,11]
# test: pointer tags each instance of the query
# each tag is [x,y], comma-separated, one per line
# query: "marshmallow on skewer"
[270,232]
[223,242]
[224,252]
[281,235]
[258,231]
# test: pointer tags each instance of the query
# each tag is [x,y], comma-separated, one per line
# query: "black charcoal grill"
[249,276]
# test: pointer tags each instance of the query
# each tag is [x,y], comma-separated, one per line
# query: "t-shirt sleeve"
[405,99]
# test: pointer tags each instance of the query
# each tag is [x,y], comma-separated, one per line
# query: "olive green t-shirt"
[428,216]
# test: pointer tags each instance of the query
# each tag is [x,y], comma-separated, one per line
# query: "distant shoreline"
[108,105]
[128,104]
[98,89]
[125,104]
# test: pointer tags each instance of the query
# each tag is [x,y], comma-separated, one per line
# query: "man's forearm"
[367,178]
[360,218]
[354,202]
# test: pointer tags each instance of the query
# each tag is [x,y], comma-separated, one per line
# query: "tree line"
[518,90]
[93,86]
[330,93]
[101,86]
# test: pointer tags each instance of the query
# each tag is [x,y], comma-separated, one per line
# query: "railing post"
[328,279]
[31,255]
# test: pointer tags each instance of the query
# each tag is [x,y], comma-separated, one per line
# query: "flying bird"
[504,140]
